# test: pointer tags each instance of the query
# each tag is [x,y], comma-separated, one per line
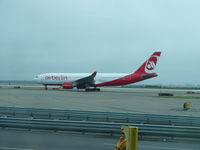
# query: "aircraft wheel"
[87,90]
[98,89]
[92,89]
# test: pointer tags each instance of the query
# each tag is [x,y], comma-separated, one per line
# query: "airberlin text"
[55,78]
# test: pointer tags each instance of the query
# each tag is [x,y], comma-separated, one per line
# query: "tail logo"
[151,64]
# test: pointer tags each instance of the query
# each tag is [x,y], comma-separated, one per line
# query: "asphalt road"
[109,99]
[40,140]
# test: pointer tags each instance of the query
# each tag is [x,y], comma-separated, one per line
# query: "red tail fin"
[150,64]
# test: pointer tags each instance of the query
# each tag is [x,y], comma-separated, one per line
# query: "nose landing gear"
[92,89]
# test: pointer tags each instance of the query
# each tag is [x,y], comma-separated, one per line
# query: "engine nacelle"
[67,85]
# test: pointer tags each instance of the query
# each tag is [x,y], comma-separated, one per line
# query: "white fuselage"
[60,78]
[95,79]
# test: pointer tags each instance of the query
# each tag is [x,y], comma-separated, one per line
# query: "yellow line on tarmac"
[13,148]
[6,96]
[105,100]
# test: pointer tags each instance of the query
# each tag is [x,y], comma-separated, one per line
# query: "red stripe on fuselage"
[132,78]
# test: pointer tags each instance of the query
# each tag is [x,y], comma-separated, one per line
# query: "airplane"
[91,82]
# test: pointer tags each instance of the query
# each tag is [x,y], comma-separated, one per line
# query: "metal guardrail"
[117,117]
[161,131]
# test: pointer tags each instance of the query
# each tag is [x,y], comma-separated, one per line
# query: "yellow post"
[131,134]
[186,106]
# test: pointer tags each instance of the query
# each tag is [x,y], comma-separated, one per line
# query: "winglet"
[94,74]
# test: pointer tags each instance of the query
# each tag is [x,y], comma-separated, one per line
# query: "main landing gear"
[92,89]
[45,87]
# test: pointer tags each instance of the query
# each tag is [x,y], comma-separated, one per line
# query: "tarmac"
[41,140]
[140,100]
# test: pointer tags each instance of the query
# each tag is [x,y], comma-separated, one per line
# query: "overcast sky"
[39,36]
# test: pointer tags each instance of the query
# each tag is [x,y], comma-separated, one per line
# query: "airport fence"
[117,117]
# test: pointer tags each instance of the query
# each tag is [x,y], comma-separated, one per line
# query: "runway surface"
[40,140]
[138,100]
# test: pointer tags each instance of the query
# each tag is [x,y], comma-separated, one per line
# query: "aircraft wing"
[85,82]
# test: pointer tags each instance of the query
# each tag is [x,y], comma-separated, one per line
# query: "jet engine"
[67,85]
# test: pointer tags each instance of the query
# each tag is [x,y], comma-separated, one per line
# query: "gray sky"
[39,36]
